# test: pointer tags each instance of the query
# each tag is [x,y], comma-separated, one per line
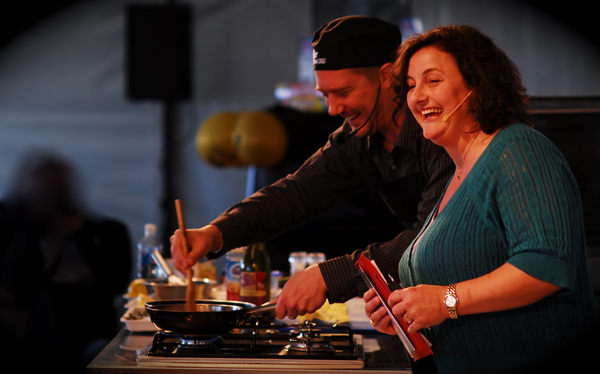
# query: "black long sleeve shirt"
[410,179]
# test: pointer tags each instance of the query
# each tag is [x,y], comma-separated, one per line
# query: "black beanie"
[355,42]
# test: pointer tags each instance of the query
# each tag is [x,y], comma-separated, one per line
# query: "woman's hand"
[377,314]
[419,306]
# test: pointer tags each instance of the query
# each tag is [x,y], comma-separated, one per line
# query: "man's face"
[351,95]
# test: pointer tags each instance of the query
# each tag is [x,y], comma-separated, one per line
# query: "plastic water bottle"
[146,268]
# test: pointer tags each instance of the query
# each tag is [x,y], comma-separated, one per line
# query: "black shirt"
[410,179]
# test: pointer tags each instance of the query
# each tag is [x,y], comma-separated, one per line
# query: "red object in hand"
[415,343]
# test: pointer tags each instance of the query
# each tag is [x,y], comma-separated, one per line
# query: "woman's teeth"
[432,112]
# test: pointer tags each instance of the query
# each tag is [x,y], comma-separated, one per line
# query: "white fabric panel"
[62,85]
[242,49]
[62,88]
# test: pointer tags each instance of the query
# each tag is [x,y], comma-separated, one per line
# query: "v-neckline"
[436,212]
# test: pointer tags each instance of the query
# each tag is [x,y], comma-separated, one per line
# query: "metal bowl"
[162,290]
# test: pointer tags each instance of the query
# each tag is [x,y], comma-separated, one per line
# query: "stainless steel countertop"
[384,354]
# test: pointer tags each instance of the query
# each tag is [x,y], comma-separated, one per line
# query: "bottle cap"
[150,229]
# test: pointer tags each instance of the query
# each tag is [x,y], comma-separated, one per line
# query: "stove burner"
[308,339]
[199,340]
[302,341]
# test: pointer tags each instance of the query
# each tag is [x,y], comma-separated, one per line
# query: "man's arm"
[325,180]
[341,278]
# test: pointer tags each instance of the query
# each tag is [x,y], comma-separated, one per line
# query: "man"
[375,148]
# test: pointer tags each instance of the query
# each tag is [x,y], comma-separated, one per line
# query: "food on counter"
[141,300]
[134,314]
[136,287]
[137,294]
[137,319]
[335,313]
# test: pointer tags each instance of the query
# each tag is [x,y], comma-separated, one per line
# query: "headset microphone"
[342,139]
[447,118]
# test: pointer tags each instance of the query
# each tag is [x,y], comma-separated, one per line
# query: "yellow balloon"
[213,140]
[259,138]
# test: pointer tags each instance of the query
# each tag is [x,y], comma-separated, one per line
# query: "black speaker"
[158,52]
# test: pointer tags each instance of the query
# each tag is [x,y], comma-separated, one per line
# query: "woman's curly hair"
[498,99]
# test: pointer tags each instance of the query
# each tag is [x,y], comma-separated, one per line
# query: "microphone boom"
[342,139]
[447,118]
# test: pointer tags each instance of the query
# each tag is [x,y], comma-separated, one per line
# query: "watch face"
[450,301]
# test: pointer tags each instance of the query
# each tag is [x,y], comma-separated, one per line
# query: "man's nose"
[334,107]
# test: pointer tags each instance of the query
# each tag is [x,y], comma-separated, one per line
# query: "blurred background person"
[61,268]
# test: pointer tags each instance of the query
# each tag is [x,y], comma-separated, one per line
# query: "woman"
[499,272]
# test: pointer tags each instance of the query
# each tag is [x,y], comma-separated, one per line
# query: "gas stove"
[307,345]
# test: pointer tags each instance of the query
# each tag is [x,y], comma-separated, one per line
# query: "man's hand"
[303,293]
[200,242]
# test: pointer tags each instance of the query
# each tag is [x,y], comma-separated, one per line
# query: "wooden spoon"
[190,293]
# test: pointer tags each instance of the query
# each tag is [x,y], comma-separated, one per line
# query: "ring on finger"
[408,320]
[371,322]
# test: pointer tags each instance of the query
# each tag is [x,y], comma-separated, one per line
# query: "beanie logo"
[318,61]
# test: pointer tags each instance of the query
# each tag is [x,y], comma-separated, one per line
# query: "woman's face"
[436,89]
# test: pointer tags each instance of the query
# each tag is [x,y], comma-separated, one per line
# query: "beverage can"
[233,272]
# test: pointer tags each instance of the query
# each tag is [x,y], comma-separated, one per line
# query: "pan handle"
[263,309]
[259,313]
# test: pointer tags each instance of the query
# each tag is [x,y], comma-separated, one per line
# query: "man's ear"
[385,75]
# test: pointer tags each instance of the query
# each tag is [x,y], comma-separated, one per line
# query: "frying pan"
[208,316]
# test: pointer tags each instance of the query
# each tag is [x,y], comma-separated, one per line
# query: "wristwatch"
[451,301]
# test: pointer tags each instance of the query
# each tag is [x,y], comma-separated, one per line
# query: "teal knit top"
[519,204]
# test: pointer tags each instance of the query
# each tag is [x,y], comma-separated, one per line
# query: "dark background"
[22,14]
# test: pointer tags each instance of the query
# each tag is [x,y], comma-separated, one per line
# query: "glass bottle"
[255,278]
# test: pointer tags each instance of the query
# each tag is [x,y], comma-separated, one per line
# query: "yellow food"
[335,313]
[141,300]
[136,287]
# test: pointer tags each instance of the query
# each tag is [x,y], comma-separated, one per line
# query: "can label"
[232,280]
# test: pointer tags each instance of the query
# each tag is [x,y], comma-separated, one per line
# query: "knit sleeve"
[540,207]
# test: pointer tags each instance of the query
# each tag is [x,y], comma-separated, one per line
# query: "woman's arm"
[504,288]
